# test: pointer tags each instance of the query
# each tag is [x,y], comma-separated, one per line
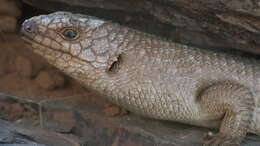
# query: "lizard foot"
[222,140]
[235,103]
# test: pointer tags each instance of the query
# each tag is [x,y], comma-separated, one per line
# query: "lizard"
[152,76]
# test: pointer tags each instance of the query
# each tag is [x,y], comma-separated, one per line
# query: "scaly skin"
[151,76]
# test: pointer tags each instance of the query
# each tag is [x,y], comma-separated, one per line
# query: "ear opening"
[116,65]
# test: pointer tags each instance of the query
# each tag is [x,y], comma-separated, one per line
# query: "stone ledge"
[80,117]
[218,24]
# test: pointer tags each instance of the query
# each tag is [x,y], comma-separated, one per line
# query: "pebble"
[50,80]
[113,111]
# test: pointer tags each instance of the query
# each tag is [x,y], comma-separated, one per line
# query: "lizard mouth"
[34,44]
[27,40]
[41,49]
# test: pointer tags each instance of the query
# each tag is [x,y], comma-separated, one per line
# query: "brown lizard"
[151,76]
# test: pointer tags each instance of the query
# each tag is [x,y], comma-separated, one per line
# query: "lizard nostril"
[29,26]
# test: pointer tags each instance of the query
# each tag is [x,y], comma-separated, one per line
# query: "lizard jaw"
[33,44]
[42,50]
[27,41]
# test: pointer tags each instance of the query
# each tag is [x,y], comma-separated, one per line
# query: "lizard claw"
[222,140]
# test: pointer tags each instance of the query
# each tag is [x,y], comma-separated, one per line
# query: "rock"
[15,111]
[24,67]
[10,8]
[50,79]
[17,135]
[9,13]
[63,121]
[130,130]
[25,133]
[6,136]
[223,23]
[8,23]
[113,110]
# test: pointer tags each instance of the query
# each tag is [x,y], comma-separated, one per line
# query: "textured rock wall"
[213,24]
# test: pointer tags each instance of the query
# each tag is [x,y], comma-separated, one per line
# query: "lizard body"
[151,76]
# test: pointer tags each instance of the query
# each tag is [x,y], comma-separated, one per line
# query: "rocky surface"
[9,13]
[17,135]
[80,117]
[208,24]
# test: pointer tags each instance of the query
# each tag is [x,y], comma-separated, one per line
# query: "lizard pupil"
[70,34]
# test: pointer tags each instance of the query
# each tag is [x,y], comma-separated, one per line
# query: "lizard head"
[79,45]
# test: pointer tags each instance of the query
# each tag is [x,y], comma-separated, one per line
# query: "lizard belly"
[175,102]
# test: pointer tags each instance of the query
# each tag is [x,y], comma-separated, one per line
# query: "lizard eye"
[70,34]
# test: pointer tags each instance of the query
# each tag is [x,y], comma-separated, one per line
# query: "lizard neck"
[105,67]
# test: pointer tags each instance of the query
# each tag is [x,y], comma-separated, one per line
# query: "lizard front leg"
[235,103]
